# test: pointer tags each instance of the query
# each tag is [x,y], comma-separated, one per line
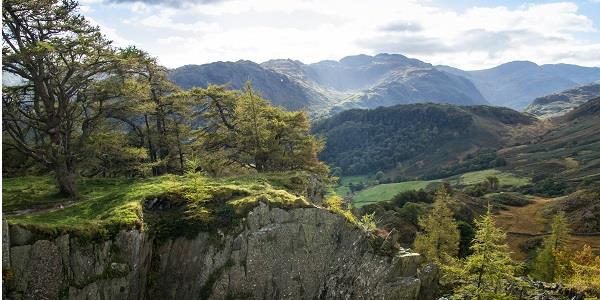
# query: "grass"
[385,192]
[343,190]
[109,205]
[505,178]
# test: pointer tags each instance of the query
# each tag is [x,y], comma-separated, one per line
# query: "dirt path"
[527,223]
[55,207]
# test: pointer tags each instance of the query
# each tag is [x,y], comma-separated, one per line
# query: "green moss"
[183,205]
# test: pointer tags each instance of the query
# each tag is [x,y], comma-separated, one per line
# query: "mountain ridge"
[328,86]
[515,84]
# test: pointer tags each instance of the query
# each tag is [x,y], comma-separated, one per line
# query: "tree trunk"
[65,176]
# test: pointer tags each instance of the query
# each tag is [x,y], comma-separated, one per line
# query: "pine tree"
[545,264]
[60,57]
[488,270]
[440,237]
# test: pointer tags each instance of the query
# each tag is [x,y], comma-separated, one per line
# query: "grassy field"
[343,190]
[108,205]
[384,192]
[504,178]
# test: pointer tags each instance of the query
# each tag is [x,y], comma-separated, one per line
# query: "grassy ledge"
[164,205]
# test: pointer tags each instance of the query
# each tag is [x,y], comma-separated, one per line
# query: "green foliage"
[242,129]
[385,192]
[367,222]
[379,175]
[414,196]
[546,265]
[549,187]
[59,57]
[508,198]
[481,160]
[487,273]
[467,234]
[366,141]
[335,204]
[438,241]
[504,178]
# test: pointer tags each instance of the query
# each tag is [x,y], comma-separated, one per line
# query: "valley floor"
[530,222]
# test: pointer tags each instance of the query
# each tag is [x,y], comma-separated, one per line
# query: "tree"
[487,271]
[379,175]
[581,270]
[440,237]
[150,104]
[58,57]
[546,264]
[244,129]
[493,182]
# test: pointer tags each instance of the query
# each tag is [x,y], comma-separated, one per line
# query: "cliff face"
[302,253]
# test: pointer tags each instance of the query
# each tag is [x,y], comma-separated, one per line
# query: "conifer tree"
[489,269]
[440,237]
[545,264]
[59,57]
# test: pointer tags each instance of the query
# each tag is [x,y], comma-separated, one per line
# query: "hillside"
[561,103]
[277,88]
[516,84]
[569,151]
[418,139]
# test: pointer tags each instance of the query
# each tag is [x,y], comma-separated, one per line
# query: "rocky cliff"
[300,253]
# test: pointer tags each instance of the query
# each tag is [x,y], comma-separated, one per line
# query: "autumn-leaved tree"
[487,272]
[438,241]
[580,270]
[57,56]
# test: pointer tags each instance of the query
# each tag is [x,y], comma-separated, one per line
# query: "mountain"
[329,86]
[516,84]
[364,81]
[569,151]
[418,140]
[276,87]
[560,103]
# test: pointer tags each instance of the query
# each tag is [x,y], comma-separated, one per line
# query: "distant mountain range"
[516,84]
[364,81]
[561,103]
[360,81]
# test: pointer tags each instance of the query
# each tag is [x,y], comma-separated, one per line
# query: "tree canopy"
[81,107]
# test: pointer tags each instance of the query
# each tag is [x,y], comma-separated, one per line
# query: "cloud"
[203,31]
[402,27]
[170,3]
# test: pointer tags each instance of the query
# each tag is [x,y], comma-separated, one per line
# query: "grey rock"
[303,253]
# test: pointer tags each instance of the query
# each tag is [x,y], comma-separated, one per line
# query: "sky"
[467,34]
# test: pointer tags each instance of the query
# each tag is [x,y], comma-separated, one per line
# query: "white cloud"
[312,30]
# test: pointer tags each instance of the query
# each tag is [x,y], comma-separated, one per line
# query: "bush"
[510,199]
[419,196]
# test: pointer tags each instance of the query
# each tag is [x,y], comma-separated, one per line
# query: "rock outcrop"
[302,253]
